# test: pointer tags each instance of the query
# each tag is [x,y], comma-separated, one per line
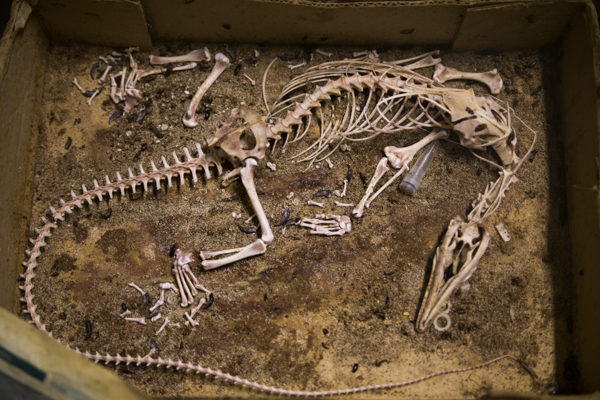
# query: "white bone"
[314,203]
[491,78]
[254,249]
[326,54]
[250,219]
[250,79]
[167,286]
[184,301]
[256,53]
[197,308]
[289,196]
[194,55]
[302,64]
[156,317]
[167,320]
[337,203]
[185,286]
[221,63]
[382,168]
[89,101]
[329,163]
[399,157]
[82,90]
[191,321]
[105,74]
[127,312]
[141,321]
[133,285]
[159,302]
[143,74]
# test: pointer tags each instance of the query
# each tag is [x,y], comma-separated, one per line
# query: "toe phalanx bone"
[491,78]
[327,224]
[195,55]
[221,63]
[404,100]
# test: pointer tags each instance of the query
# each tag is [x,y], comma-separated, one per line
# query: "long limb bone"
[382,168]
[260,245]
[221,63]
[195,55]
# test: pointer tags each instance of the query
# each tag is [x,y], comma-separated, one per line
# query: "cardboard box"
[460,26]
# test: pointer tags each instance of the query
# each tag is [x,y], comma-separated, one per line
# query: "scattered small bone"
[191,321]
[503,232]
[168,286]
[105,74]
[156,317]
[302,64]
[89,101]
[314,203]
[195,55]
[250,219]
[256,53]
[271,166]
[133,285]
[513,316]
[175,325]
[198,307]
[329,163]
[289,196]
[127,312]
[250,79]
[141,321]
[345,147]
[86,93]
[337,203]
[327,224]
[164,127]
[167,320]
[233,214]
[326,54]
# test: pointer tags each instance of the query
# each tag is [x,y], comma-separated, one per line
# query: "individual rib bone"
[194,55]
[326,54]
[491,78]
[221,63]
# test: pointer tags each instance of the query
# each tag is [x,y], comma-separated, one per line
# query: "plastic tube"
[412,181]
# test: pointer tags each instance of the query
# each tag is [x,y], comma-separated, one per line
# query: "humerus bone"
[221,63]
[491,78]
[195,55]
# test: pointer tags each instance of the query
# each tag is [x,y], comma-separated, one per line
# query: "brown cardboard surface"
[118,23]
[513,26]
[273,22]
[581,120]
[20,98]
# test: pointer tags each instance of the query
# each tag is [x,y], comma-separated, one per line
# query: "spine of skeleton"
[332,88]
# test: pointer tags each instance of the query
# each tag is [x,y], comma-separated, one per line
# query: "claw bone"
[194,55]
[491,78]
[221,63]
